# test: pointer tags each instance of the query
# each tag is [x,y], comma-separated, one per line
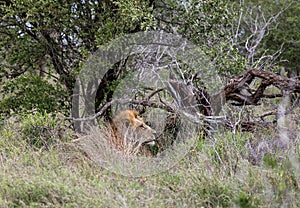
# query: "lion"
[131,132]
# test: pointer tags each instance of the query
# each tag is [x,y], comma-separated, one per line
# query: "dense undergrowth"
[41,167]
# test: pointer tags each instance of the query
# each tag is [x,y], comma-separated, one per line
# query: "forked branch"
[239,92]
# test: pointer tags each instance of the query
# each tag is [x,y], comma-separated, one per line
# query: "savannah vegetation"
[252,161]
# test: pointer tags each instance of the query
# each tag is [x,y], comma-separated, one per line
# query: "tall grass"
[215,173]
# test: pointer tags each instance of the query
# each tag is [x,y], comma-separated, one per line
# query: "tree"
[55,37]
[267,34]
[32,92]
[65,32]
[286,35]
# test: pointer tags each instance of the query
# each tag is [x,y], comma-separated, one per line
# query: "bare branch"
[234,90]
[123,101]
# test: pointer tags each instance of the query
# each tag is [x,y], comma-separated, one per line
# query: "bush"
[29,92]
[37,130]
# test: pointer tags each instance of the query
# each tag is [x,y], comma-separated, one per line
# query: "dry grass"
[215,173]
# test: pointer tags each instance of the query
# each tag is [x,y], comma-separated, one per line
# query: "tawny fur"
[130,115]
[130,130]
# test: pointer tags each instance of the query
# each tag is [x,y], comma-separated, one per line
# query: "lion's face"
[141,133]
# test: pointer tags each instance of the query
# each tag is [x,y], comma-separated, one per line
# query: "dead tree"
[235,90]
[239,93]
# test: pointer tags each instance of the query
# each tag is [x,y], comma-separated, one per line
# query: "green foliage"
[200,142]
[36,131]
[228,148]
[32,30]
[39,129]
[270,161]
[286,34]
[57,37]
[54,38]
[216,194]
[32,92]
[245,201]
[64,33]
[202,22]
[11,143]
[135,14]
[209,25]
[37,193]
[272,25]
[227,59]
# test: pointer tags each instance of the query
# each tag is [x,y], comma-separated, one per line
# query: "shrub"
[29,92]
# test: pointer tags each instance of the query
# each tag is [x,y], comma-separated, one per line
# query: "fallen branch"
[234,90]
